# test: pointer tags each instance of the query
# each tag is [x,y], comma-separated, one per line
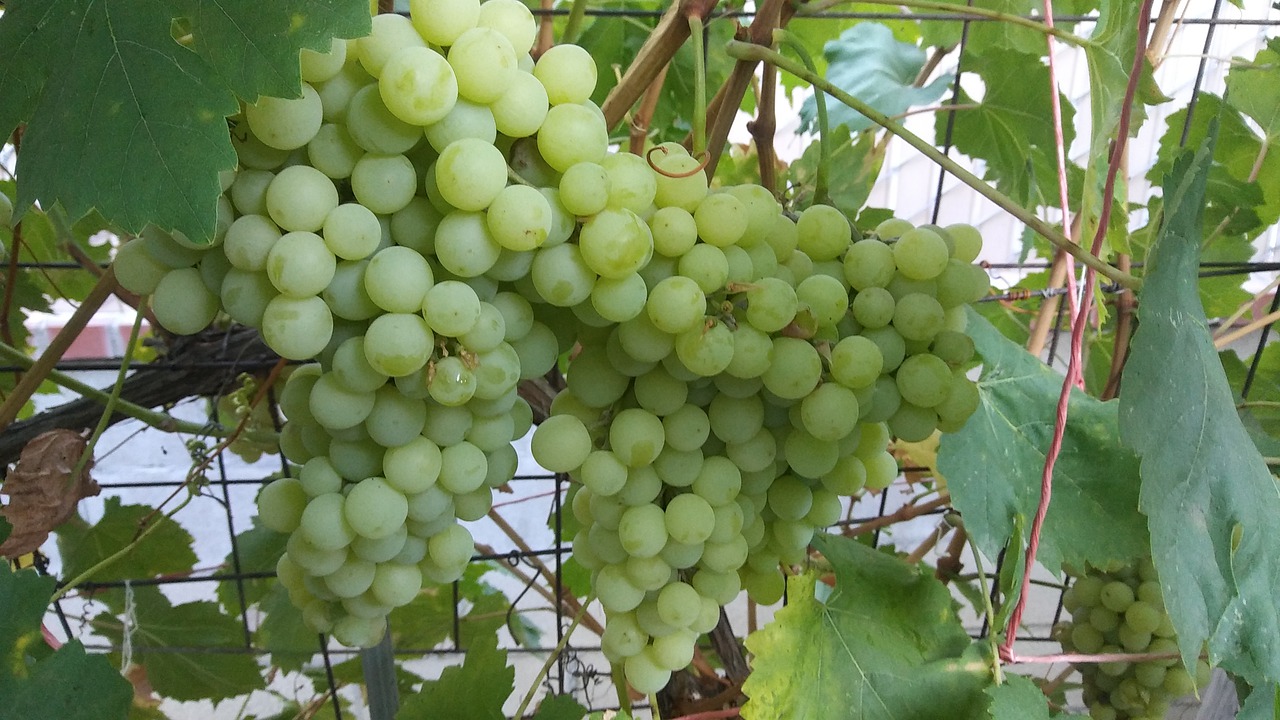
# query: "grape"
[924,380]
[337,407]
[520,218]
[286,124]
[642,530]
[246,244]
[690,519]
[561,443]
[374,509]
[570,134]
[522,108]
[920,254]
[375,128]
[796,368]
[831,411]
[397,344]
[918,317]
[615,243]
[383,183]
[771,304]
[441,22]
[417,85]
[323,523]
[299,198]
[463,244]
[822,232]
[395,419]
[390,33]
[825,296]
[299,265]
[281,504]
[868,264]
[636,437]
[968,242]
[484,63]
[182,304]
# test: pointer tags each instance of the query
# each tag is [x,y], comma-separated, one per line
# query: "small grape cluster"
[439,217]
[237,408]
[1123,611]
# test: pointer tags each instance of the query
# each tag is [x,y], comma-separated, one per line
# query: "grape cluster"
[1123,612]
[439,217]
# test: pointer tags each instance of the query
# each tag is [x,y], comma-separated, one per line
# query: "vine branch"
[961,11]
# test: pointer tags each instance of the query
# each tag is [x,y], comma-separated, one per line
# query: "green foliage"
[858,158]
[1012,128]
[187,650]
[167,550]
[1254,89]
[993,465]
[884,643]
[1212,503]
[868,62]
[474,690]
[1262,704]
[1019,699]
[560,707]
[38,683]
[108,91]
[258,549]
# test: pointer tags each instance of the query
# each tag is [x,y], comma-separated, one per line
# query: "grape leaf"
[1019,699]
[884,643]
[869,63]
[559,707]
[1012,127]
[1263,703]
[124,119]
[258,550]
[1254,88]
[993,465]
[281,632]
[36,684]
[858,161]
[168,641]
[254,46]
[474,690]
[167,550]
[1213,507]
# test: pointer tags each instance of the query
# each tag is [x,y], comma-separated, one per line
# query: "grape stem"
[786,37]
[990,611]
[555,654]
[110,408]
[750,51]
[696,39]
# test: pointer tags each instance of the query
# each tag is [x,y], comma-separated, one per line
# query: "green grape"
[735,419]
[395,419]
[374,509]
[318,477]
[755,453]
[463,244]
[247,243]
[568,72]
[675,305]
[182,304]
[374,128]
[619,299]
[649,574]
[718,481]
[679,605]
[706,265]
[352,579]
[823,232]
[441,22]
[680,182]
[968,242]
[463,468]
[537,351]
[337,407]
[825,296]
[721,219]
[831,411]
[920,254]
[796,368]
[1116,596]
[397,344]
[299,265]
[417,85]
[561,276]
[570,134]
[615,243]
[913,423]
[561,443]
[522,108]
[873,307]
[584,189]
[706,351]
[690,519]
[286,124]
[675,232]
[631,182]
[856,361]
[384,183]
[484,63]
[396,584]
[321,66]
[324,524]
[918,317]
[636,436]
[924,380]
[869,263]
[470,173]
[299,198]
[387,37]
[616,593]
[281,504]
[771,304]
[808,456]
[752,353]
[519,218]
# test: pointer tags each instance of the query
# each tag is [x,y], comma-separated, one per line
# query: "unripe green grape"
[823,232]
[300,197]
[463,468]
[568,72]
[136,270]
[398,343]
[375,128]
[1116,596]
[182,304]
[584,188]
[796,368]
[464,246]
[417,85]
[286,124]
[324,524]
[484,63]
[869,263]
[561,443]
[521,110]
[967,242]
[920,254]
[300,265]
[771,304]
[441,22]
[395,419]
[281,504]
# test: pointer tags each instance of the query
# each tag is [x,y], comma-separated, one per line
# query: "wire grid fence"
[537,558]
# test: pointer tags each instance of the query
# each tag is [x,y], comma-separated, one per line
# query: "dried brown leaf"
[42,493]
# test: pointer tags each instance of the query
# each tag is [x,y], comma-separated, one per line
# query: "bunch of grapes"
[439,217]
[1123,612]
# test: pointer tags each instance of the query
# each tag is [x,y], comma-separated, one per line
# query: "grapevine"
[431,227]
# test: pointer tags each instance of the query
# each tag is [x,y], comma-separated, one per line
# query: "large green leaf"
[167,550]
[254,45]
[1262,704]
[885,643]
[474,690]
[1213,507]
[855,165]
[994,464]
[258,549]
[36,684]
[189,651]
[869,63]
[1012,127]
[560,707]
[124,119]
[282,632]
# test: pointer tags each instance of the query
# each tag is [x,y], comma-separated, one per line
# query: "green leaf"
[1213,506]
[993,465]
[475,690]
[560,707]
[109,93]
[427,621]
[884,643]
[168,641]
[1263,703]
[1012,128]
[1017,698]
[1254,89]
[351,672]
[282,632]
[35,684]
[258,550]
[254,46]
[167,550]
[868,62]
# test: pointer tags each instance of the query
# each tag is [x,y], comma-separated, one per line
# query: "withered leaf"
[42,493]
